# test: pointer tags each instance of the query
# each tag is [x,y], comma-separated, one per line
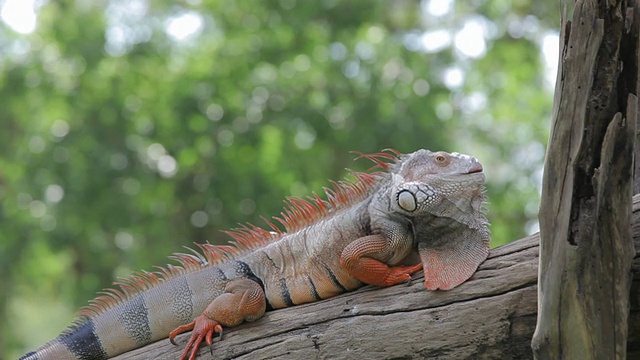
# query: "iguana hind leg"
[360,258]
[243,300]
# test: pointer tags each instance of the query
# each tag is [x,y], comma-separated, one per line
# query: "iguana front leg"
[361,259]
[243,300]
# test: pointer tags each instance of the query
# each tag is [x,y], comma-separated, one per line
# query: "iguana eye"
[441,158]
[407,201]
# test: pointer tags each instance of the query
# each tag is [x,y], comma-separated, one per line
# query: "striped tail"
[131,323]
[79,342]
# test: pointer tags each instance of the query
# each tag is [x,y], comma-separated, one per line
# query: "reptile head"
[424,163]
[438,184]
[442,196]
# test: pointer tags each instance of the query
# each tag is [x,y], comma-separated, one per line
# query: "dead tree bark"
[491,316]
[585,213]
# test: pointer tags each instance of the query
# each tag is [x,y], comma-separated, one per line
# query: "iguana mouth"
[477,168]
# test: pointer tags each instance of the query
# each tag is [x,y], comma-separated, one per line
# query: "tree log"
[586,247]
[491,316]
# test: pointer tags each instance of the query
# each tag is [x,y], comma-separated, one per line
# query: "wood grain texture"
[491,316]
[586,242]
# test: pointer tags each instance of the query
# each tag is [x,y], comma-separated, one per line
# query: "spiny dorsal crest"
[297,214]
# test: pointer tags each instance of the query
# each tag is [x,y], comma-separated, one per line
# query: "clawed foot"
[203,329]
[400,274]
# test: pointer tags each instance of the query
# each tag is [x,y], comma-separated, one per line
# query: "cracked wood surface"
[491,316]
[586,250]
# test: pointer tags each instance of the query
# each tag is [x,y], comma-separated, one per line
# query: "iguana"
[428,204]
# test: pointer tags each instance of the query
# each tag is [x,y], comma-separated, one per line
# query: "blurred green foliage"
[132,128]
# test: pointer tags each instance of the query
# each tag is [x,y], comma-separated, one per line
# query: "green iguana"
[425,203]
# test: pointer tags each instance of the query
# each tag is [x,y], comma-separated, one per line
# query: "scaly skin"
[425,202]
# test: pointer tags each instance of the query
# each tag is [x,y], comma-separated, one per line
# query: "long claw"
[209,337]
[180,330]
[203,330]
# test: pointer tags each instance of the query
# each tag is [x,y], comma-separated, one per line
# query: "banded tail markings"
[134,316]
[31,355]
[83,342]
[181,301]
[54,349]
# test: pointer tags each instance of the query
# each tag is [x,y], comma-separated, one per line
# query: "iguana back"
[429,203]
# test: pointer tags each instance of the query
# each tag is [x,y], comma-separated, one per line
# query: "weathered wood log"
[586,246]
[491,316]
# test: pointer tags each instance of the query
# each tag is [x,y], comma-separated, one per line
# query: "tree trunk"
[586,248]
[491,316]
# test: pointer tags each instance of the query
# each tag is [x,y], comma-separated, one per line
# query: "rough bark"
[491,316]
[585,213]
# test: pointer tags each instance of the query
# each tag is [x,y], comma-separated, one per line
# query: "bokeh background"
[131,128]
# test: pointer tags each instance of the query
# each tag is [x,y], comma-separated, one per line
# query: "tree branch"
[491,316]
